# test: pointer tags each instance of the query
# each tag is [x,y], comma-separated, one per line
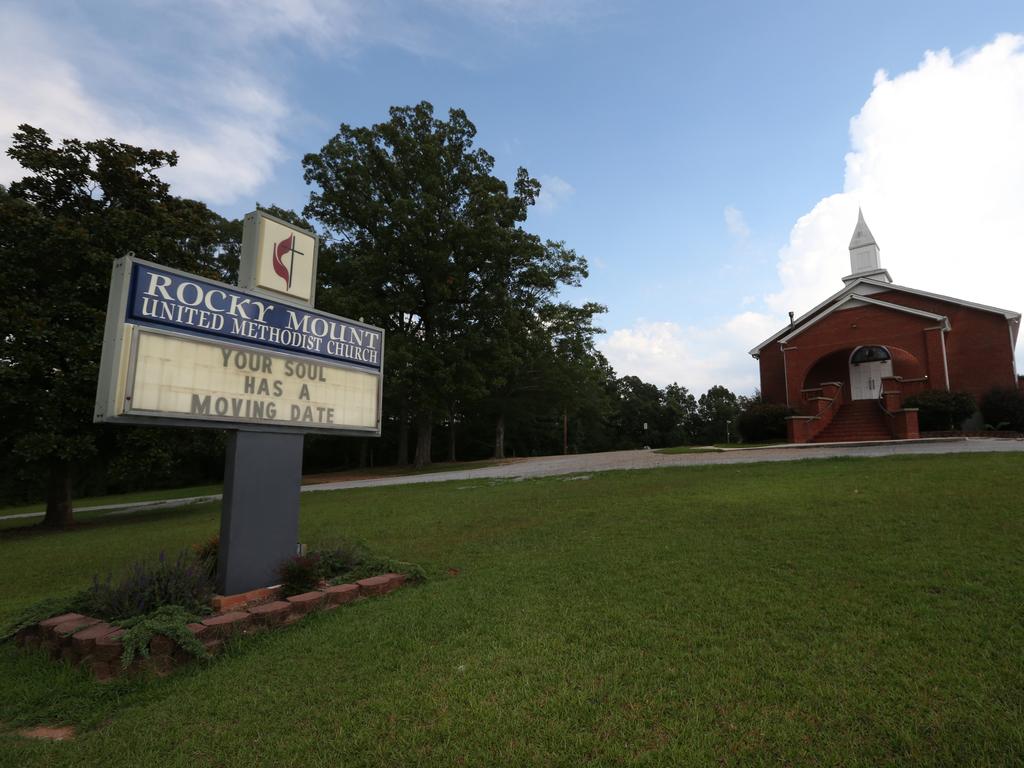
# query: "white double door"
[866,379]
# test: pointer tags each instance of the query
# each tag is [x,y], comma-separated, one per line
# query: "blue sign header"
[164,299]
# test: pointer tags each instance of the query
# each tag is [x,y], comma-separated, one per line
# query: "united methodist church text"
[167,299]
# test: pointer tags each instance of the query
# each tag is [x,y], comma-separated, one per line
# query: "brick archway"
[834,365]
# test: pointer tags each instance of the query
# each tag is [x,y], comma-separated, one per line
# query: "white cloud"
[328,27]
[554,191]
[316,21]
[39,88]
[937,164]
[696,357]
[519,12]
[225,127]
[735,222]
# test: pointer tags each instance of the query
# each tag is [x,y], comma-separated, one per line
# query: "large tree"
[717,410]
[425,241]
[80,205]
[532,344]
[577,376]
[678,417]
[639,411]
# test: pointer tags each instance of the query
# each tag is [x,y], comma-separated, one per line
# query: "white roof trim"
[1008,314]
[885,286]
[941,319]
[799,320]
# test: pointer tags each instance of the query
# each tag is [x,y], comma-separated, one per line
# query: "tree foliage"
[940,410]
[80,205]
[717,410]
[1004,409]
[763,422]
[428,243]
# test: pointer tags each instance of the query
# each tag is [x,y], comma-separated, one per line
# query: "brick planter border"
[96,645]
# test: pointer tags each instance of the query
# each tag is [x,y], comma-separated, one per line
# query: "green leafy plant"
[301,573]
[207,553]
[376,566]
[168,620]
[44,609]
[184,581]
[761,422]
[940,411]
[342,558]
[1004,408]
[348,561]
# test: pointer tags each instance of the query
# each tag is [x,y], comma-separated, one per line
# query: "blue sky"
[701,156]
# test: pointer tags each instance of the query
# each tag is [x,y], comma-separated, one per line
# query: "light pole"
[727,423]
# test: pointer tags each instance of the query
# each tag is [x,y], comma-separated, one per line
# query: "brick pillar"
[905,424]
[831,389]
[798,429]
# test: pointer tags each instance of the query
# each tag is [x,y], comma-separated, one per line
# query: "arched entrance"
[868,365]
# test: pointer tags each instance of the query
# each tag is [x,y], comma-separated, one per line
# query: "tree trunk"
[451,437]
[499,437]
[424,426]
[403,440]
[58,496]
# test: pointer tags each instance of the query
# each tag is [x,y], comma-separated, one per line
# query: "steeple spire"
[861,234]
[865,257]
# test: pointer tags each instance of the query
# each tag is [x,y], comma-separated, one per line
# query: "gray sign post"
[259,522]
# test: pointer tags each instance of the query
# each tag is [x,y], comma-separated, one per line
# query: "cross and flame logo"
[286,248]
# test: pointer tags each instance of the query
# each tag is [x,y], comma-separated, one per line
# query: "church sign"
[180,349]
[255,359]
[186,350]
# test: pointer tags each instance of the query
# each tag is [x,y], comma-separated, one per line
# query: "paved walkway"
[546,466]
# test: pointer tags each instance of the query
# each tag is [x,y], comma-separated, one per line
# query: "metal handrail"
[886,411]
[881,403]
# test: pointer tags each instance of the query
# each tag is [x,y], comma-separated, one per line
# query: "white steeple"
[865,260]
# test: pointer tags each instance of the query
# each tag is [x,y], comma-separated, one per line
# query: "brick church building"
[847,365]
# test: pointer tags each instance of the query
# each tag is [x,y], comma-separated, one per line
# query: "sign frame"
[120,347]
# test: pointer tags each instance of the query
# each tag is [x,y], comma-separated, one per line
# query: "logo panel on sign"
[285,260]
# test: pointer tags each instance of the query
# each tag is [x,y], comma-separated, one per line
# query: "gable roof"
[850,289]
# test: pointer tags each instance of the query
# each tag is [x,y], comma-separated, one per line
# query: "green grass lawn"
[841,612]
